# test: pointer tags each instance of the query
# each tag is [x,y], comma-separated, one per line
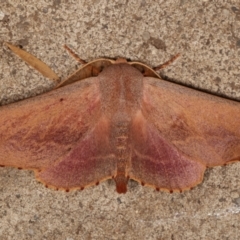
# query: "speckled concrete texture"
[206,33]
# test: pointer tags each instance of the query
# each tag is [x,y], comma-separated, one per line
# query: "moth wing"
[88,163]
[59,127]
[179,132]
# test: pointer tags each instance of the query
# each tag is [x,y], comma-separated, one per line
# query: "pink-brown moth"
[120,120]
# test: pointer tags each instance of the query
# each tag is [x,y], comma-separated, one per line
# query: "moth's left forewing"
[201,125]
[178,132]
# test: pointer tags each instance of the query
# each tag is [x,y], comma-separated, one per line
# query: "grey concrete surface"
[206,33]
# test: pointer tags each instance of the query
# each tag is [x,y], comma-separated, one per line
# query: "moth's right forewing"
[36,132]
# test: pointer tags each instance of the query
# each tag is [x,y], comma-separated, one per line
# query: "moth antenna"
[34,62]
[164,65]
[71,52]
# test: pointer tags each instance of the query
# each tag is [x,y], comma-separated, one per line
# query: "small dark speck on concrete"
[45,10]
[238,43]
[157,43]
[236,201]
[13,72]
[20,7]
[5,19]
[137,17]
[217,80]
[222,199]
[56,3]
[104,26]
[23,42]
[235,10]
[18,196]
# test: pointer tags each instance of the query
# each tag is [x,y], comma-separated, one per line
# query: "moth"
[114,119]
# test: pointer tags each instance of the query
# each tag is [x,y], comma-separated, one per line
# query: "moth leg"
[164,65]
[95,71]
[71,52]
[34,62]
